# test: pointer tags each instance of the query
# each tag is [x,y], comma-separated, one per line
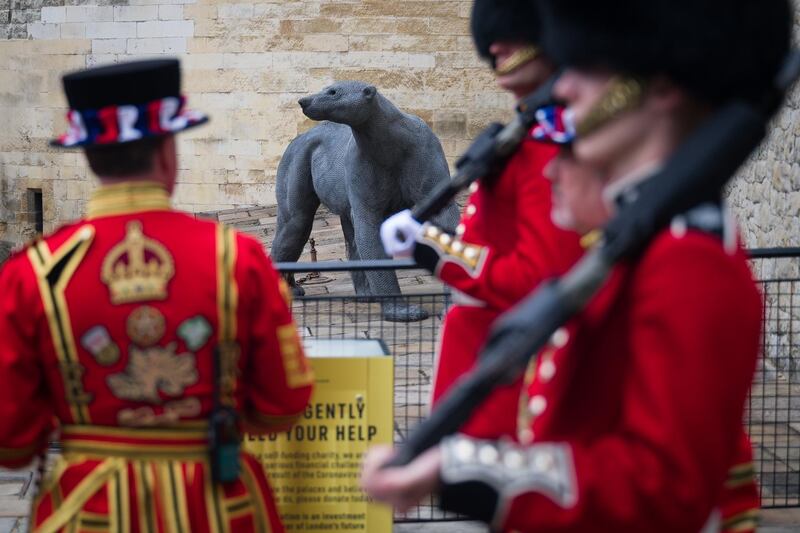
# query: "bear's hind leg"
[359,277]
[297,205]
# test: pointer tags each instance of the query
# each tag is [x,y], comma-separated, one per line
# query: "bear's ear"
[369,92]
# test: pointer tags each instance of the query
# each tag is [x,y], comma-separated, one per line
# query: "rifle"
[698,170]
[488,153]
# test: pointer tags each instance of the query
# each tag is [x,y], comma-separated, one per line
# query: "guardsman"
[631,427]
[506,243]
[145,338]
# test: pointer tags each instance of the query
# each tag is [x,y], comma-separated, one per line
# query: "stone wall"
[246,63]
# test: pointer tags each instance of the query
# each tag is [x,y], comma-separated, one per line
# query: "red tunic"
[635,409]
[506,245]
[108,328]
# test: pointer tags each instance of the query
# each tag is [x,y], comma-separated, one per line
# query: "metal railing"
[772,415]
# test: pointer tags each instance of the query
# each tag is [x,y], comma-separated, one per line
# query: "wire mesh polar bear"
[366,161]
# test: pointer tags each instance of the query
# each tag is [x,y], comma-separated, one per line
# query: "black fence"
[772,416]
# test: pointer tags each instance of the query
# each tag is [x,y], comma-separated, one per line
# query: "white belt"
[460,298]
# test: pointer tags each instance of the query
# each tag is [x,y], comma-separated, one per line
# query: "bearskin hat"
[503,20]
[716,49]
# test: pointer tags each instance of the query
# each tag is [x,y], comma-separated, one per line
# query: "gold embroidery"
[80,494]
[152,371]
[227,291]
[745,521]
[137,269]
[522,56]
[229,354]
[145,326]
[298,372]
[261,514]
[52,290]
[128,197]
[470,257]
[173,412]
[286,292]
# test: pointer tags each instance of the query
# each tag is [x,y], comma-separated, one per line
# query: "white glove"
[399,233]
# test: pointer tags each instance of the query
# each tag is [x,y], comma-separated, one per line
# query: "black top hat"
[124,103]
[503,20]
[717,49]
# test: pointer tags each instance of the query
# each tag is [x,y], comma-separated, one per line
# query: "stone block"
[98,60]
[73,30]
[235,11]
[239,147]
[37,30]
[248,60]
[311,25]
[92,14]
[165,28]
[54,15]
[110,30]
[135,13]
[166,12]
[109,46]
[166,45]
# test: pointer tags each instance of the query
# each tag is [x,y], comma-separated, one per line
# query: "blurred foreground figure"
[506,244]
[147,339]
[636,406]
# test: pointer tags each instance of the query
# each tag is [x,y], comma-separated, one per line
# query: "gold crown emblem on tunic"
[138,268]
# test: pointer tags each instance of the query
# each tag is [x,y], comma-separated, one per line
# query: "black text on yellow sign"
[315,466]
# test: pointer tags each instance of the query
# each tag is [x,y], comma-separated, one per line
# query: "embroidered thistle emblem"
[152,372]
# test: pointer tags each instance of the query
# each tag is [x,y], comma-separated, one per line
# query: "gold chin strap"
[623,95]
[517,59]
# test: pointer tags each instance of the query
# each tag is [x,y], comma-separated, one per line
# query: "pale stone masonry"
[247,63]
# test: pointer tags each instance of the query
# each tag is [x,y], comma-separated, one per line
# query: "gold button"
[445,239]
[431,231]
[470,252]
[461,229]
[537,405]
[525,436]
[471,209]
[458,246]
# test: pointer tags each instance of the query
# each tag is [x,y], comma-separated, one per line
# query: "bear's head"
[345,102]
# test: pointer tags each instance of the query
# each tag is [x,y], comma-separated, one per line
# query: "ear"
[369,92]
[665,95]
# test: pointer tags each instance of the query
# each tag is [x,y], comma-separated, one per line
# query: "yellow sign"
[314,467]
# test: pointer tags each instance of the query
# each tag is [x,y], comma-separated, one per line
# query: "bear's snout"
[304,101]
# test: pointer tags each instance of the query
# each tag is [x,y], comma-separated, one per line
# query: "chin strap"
[624,94]
[517,59]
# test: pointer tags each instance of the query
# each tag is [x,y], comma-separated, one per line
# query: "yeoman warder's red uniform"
[108,328]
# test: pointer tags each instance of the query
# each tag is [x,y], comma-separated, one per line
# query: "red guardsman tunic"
[108,328]
[505,246]
[635,409]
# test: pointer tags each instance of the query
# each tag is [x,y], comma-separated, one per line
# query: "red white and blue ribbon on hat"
[555,124]
[125,123]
